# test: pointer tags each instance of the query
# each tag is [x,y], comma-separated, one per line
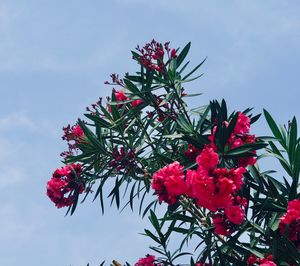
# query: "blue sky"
[55,56]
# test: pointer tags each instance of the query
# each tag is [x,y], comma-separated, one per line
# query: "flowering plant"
[202,163]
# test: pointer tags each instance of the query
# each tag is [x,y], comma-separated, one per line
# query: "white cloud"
[16,120]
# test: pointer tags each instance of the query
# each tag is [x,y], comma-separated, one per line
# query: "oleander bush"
[202,163]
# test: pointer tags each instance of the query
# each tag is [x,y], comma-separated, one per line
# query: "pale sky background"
[55,56]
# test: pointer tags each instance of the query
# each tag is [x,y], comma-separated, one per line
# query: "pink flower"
[120,96]
[173,53]
[234,174]
[221,228]
[244,162]
[201,188]
[208,158]
[73,135]
[147,261]
[78,132]
[290,222]
[63,183]
[192,152]
[168,183]
[214,190]
[235,214]
[268,261]
[242,125]
[135,103]
[251,260]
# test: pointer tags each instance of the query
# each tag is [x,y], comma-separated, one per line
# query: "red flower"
[120,96]
[221,228]
[244,162]
[290,222]
[73,135]
[236,175]
[62,183]
[214,191]
[268,261]
[192,152]
[135,103]
[168,183]
[151,56]
[173,53]
[208,158]
[201,188]
[235,214]
[251,260]
[147,261]
[78,132]
[242,125]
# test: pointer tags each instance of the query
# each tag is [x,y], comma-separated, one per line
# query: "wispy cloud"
[16,120]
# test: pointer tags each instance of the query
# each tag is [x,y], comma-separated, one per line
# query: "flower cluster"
[149,260]
[212,187]
[290,222]
[122,159]
[63,183]
[268,261]
[216,190]
[168,183]
[151,55]
[73,135]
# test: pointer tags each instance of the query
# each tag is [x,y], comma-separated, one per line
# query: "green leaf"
[292,140]
[203,118]
[154,221]
[247,148]
[135,55]
[296,163]
[132,88]
[195,69]
[254,118]
[91,137]
[135,78]
[147,208]
[184,124]
[272,124]
[148,233]
[98,120]
[229,129]
[183,54]
[268,205]
[277,154]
